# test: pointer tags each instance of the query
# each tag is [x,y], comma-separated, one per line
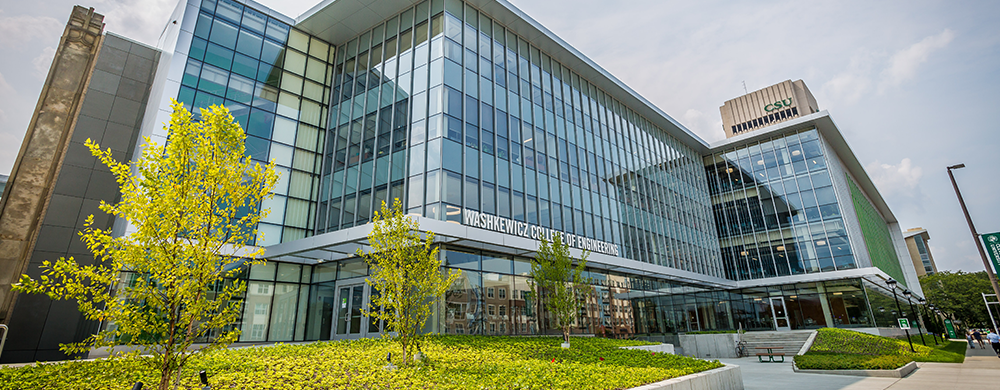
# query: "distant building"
[767,106]
[3,184]
[920,252]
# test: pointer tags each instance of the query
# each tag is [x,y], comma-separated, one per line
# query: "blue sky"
[911,84]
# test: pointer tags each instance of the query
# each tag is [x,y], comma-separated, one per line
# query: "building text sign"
[535,232]
[778,105]
[992,242]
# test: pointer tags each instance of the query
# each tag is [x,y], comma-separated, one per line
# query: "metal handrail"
[3,339]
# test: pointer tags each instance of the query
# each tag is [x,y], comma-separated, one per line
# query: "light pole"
[972,228]
[892,286]
[907,293]
[923,302]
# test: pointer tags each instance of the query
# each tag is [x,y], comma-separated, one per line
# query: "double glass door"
[349,322]
[779,313]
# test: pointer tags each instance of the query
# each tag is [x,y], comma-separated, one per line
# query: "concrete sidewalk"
[981,370]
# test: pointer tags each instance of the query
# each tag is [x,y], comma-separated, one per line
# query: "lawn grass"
[455,362]
[848,350]
[949,352]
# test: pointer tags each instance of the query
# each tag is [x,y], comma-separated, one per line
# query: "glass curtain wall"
[291,302]
[273,78]
[776,210]
[467,114]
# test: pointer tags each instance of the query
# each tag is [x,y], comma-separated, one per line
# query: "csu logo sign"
[778,105]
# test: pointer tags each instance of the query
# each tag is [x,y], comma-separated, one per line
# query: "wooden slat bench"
[770,355]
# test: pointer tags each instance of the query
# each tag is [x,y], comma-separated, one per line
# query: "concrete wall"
[724,378]
[661,348]
[709,346]
[110,115]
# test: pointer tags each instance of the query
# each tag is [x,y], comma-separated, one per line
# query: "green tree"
[406,273]
[958,293]
[557,284]
[171,282]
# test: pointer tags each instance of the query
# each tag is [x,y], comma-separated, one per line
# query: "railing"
[3,339]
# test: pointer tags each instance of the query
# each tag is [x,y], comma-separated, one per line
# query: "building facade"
[761,108]
[920,251]
[495,133]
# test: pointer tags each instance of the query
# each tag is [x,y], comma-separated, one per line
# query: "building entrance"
[692,318]
[779,314]
[349,322]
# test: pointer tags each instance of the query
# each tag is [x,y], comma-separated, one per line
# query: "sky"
[911,84]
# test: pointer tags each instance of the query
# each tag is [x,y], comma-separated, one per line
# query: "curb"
[897,373]
[723,378]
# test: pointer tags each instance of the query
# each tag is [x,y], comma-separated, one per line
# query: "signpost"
[903,323]
[951,329]
[992,243]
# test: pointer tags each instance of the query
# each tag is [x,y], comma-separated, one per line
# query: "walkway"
[981,370]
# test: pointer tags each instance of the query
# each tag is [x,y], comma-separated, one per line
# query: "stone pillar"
[29,189]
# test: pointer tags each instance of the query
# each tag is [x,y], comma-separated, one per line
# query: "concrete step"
[789,342]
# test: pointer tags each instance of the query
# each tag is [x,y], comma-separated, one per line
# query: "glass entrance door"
[779,313]
[350,323]
[692,318]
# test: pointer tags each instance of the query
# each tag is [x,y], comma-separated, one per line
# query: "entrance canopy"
[345,243]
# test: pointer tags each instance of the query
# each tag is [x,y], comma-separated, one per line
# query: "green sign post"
[951,329]
[903,323]
[992,244]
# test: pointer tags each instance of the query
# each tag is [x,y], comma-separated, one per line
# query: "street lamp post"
[907,293]
[892,286]
[972,228]
[922,302]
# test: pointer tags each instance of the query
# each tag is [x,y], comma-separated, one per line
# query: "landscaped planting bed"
[840,349]
[455,362]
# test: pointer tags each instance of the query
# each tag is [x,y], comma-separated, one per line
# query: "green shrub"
[455,362]
[847,341]
[821,361]
[841,349]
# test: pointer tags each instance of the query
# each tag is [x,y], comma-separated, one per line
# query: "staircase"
[790,342]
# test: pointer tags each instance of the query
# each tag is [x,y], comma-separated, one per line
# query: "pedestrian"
[972,342]
[979,338]
[994,340]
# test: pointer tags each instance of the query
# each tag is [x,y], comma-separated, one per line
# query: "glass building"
[494,132]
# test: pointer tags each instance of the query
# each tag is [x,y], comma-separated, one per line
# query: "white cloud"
[706,126]
[873,70]
[6,92]
[10,131]
[22,29]
[895,179]
[139,20]
[903,65]
[41,64]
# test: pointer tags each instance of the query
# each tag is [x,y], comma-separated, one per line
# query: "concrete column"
[27,194]
[827,315]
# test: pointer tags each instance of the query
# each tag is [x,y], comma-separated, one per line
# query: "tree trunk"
[405,350]
[164,379]
[566,335]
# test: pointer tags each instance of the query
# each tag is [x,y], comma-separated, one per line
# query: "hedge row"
[820,361]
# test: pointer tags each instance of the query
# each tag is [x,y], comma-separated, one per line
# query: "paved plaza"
[981,370]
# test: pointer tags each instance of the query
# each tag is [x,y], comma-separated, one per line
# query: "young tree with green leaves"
[193,206]
[406,272]
[558,284]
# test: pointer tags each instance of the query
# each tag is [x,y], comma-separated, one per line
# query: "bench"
[770,355]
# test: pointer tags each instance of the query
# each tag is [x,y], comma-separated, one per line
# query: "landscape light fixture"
[892,285]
